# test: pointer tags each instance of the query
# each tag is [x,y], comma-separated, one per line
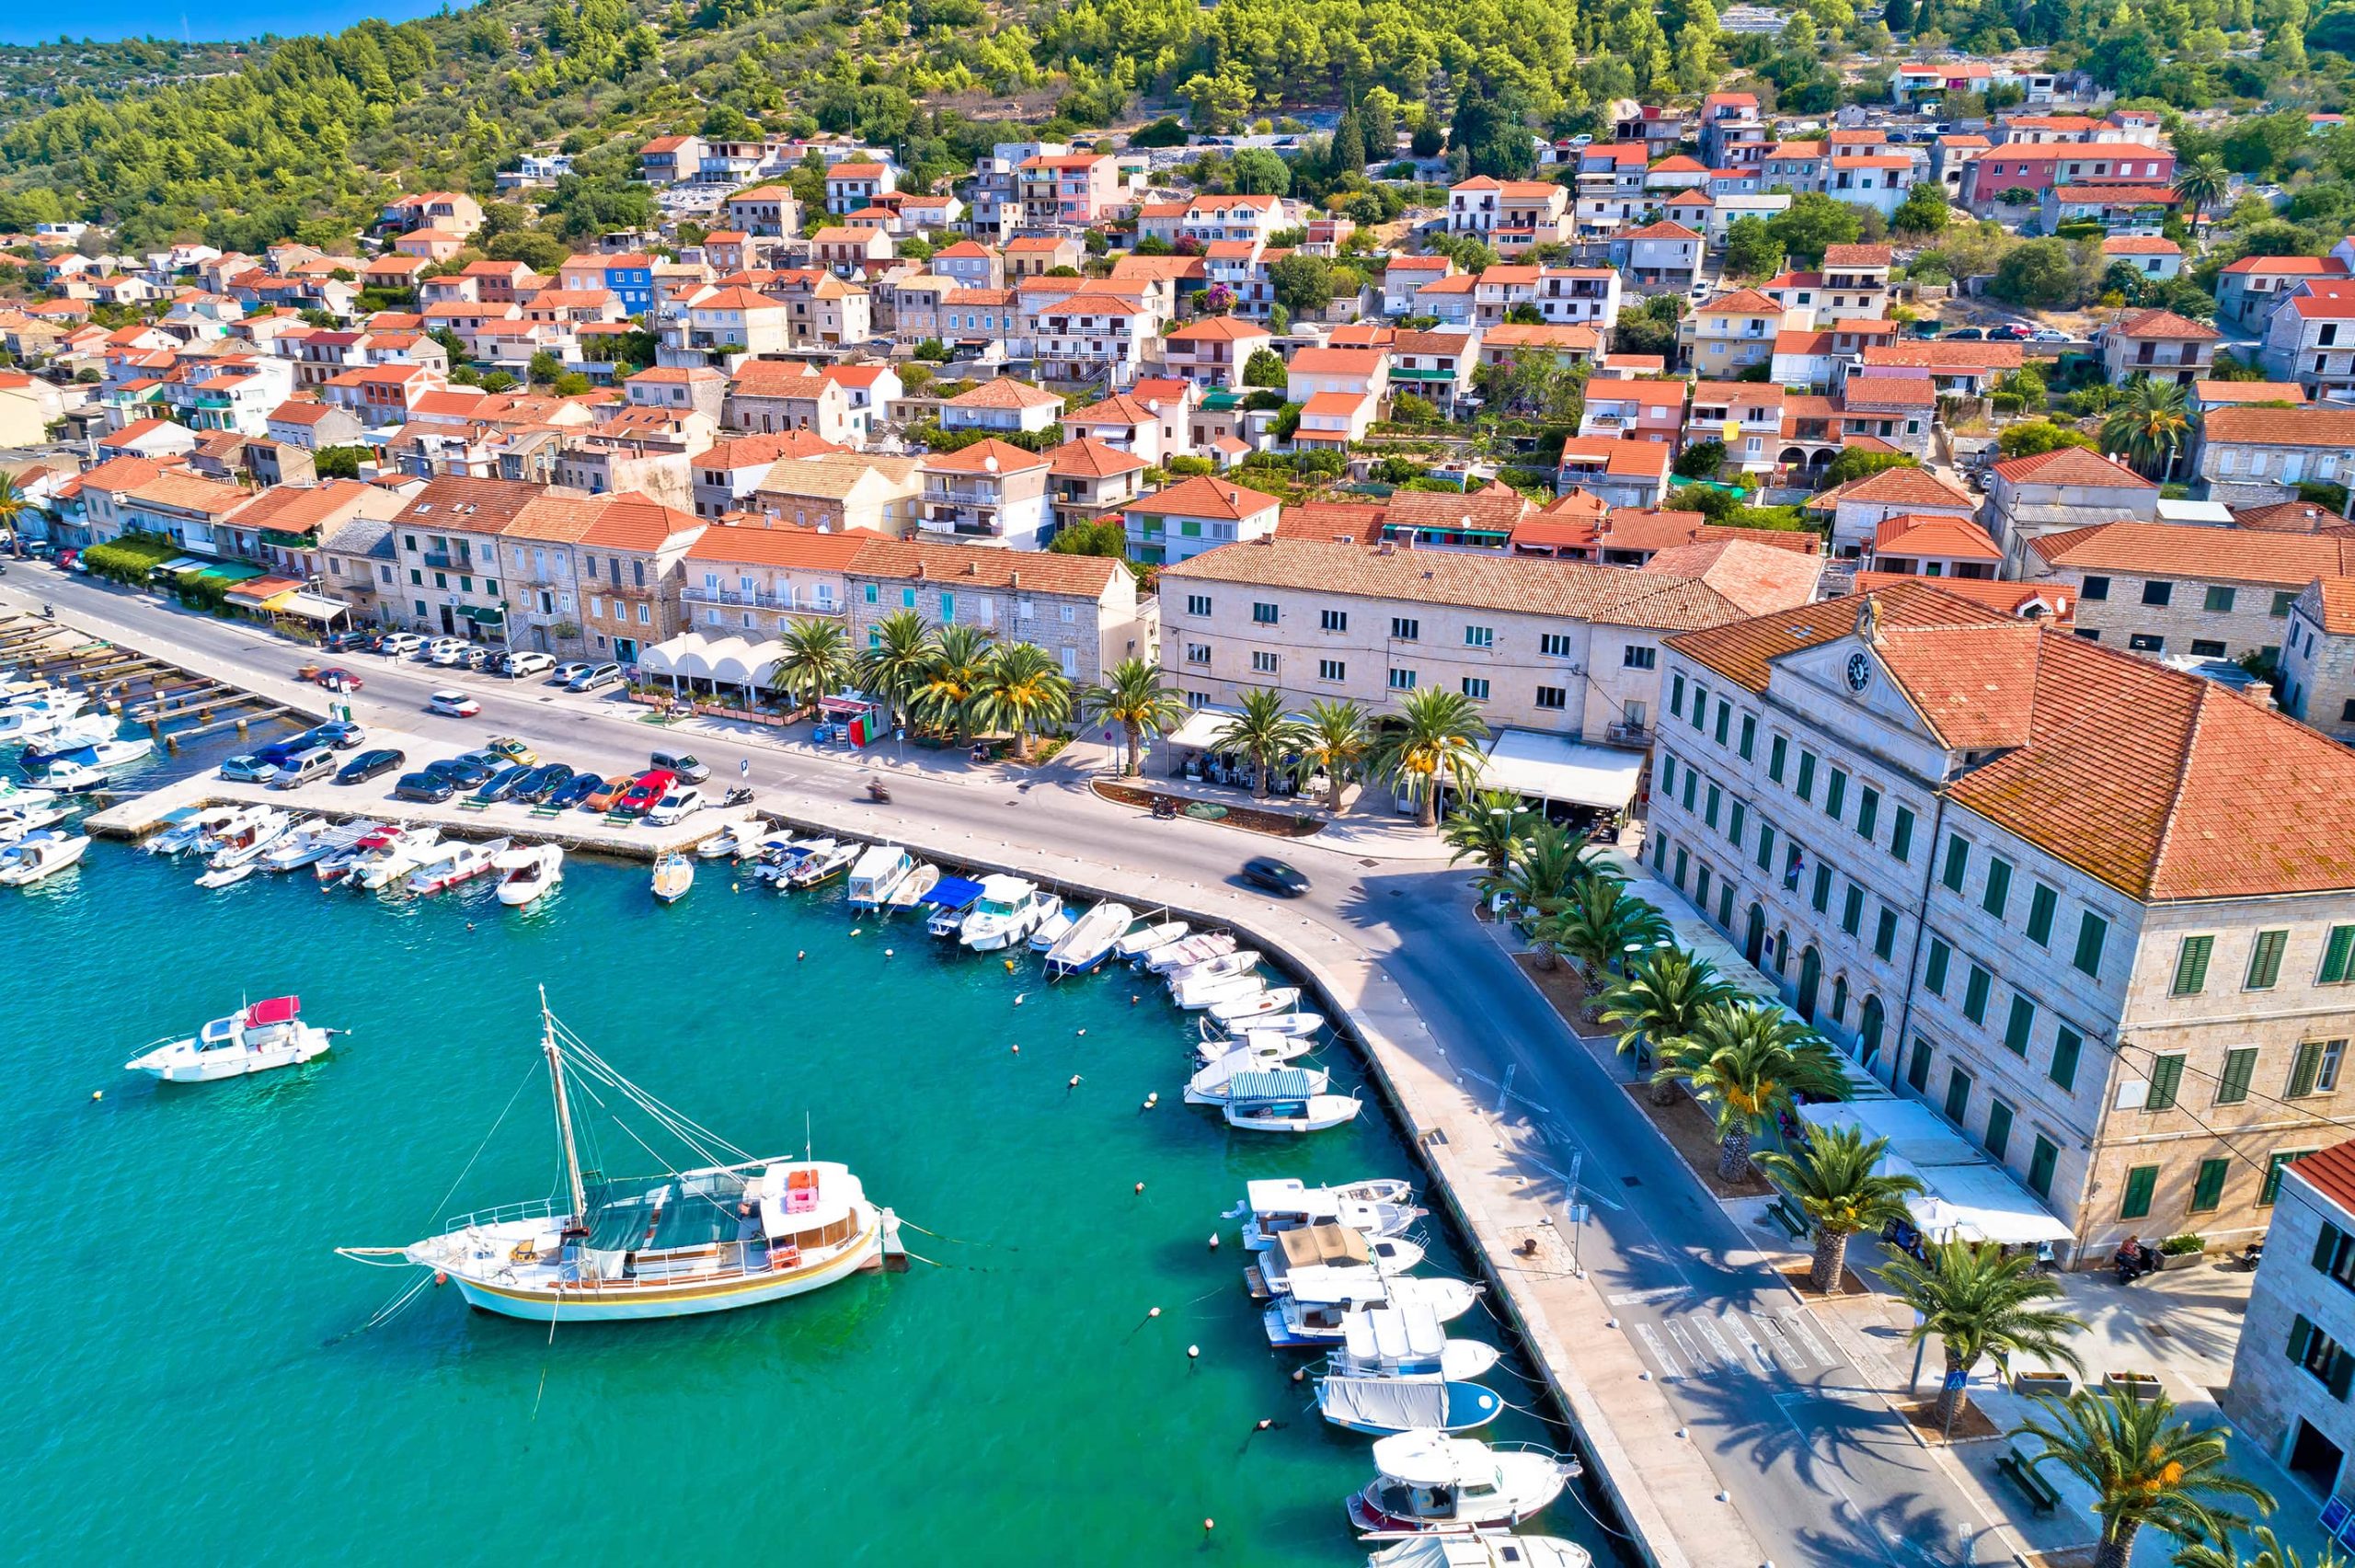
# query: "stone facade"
[2292,1366]
[2317,670]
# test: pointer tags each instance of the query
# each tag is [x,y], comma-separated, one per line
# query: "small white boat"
[1482,1549]
[1316,1311]
[1300,1024]
[321,843]
[1009,910]
[1283,1101]
[37,856]
[1198,996]
[39,718]
[69,735]
[528,873]
[239,825]
[302,843]
[735,840]
[184,826]
[1052,930]
[1274,1206]
[16,821]
[18,791]
[1175,956]
[1381,1406]
[1089,940]
[68,776]
[1225,965]
[877,874]
[383,858]
[919,880]
[1145,938]
[1335,1247]
[1407,1344]
[1265,1004]
[451,863]
[1211,1083]
[246,843]
[674,875]
[825,866]
[779,860]
[254,1039]
[1272,1050]
[949,900]
[1428,1481]
[228,876]
[105,754]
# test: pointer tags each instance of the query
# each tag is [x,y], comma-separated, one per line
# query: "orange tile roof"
[2286,517]
[2215,554]
[981,566]
[1005,392]
[1949,537]
[2333,428]
[1202,496]
[2338,596]
[1911,487]
[2011,597]
[2211,393]
[781,547]
[2072,465]
[2331,1172]
[1858,254]
[991,456]
[637,521]
[1087,458]
[2166,324]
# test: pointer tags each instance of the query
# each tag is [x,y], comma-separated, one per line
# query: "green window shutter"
[1692,782]
[2300,1331]
[2240,1066]
[1885,935]
[2065,1046]
[1710,814]
[1778,749]
[1869,813]
[2191,966]
[1765,846]
[1667,775]
[1682,862]
[2337,953]
[1999,886]
[1999,1128]
[1917,1072]
[1836,794]
[1725,717]
[1901,835]
[2139,1182]
[1749,735]
[2020,1024]
[2271,1187]
[1700,707]
[2342,1374]
[1957,863]
[1974,995]
[2208,1191]
[2167,1079]
[1734,823]
[2265,959]
[1852,911]
[2326,1247]
[2040,905]
[2305,1069]
[1676,696]
[1935,974]
[2040,1167]
[2092,932]
[1958,1096]
[1822,898]
[1660,850]
[1725,904]
[1806,775]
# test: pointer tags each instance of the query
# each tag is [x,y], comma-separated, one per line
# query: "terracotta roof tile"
[2072,465]
[2212,555]
[1911,487]
[2333,428]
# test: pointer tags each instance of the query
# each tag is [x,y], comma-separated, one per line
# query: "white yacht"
[781,857]
[245,845]
[877,874]
[734,841]
[1300,1025]
[1200,994]
[1483,1549]
[299,845]
[66,736]
[528,873]
[252,1039]
[1405,1343]
[1334,1247]
[39,856]
[1009,910]
[730,1232]
[448,865]
[824,867]
[1273,1205]
[1270,1051]
[1428,1481]
[239,824]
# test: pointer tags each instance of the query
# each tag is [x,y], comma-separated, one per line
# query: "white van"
[307,767]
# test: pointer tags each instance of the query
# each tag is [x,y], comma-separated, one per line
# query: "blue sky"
[27,21]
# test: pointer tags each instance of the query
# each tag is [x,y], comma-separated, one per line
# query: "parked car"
[249,770]
[278,751]
[595,678]
[514,750]
[341,734]
[527,663]
[453,704]
[1261,871]
[2046,334]
[398,645]
[502,784]
[1966,335]
[607,794]
[644,793]
[369,765]
[2009,332]
[675,806]
[578,790]
[681,764]
[565,674]
[347,642]
[544,783]
[446,651]
[464,773]
[430,787]
[307,767]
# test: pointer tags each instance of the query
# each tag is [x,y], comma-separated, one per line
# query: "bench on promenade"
[2042,1496]
[1790,1216]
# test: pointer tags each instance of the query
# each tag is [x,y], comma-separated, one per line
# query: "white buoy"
[1154,1313]
[1020,997]
[888,953]
[1193,1353]
[1140,1187]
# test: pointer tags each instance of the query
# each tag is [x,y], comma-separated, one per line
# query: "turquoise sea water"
[197,1393]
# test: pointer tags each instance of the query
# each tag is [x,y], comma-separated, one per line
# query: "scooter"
[878,792]
[2247,1258]
[1164,808]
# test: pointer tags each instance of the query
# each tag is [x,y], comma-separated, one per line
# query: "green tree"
[2270,1554]
[1336,739]
[1264,368]
[1701,459]
[1538,878]
[341,461]
[816,660]
[1255,171]
[2202,183]
[14,505]
[1346,152]
[1811,224]
[2148,1469]
[1131,695]
[1103,536]
[1433,738]
[1598,921]
[1486,826]
[1750,249]
[1262,731]
[960,663]
[1656,1004]
[2038,274]
[1303,284]
[897,660]
[1979,1303]
[1834,1182]
[1856,462]
[2030,436]
[2150,425]
[1022,690]
[1748,1062]
[1924,210]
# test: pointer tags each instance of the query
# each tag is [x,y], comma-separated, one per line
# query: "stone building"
[2317,665]
[2159,587]
[2295,1359]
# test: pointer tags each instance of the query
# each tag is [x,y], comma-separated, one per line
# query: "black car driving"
[1276,877]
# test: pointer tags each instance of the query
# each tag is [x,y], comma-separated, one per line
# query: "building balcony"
[963,522]
[1638,736]
[734,599]
[443,561]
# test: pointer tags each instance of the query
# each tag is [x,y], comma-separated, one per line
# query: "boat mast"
[563,1110]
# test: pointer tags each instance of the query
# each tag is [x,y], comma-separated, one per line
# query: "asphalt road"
[1816,1465]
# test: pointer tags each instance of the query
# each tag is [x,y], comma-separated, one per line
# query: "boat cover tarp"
[1394,1335]
[1284,1083]
[951,893]
[1323,1245]
[660,1213]
[1387,1403]
[276,1010]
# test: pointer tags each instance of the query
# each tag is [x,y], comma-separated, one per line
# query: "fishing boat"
[317,844]
[1211,1083]
[780,861]
[67,776]
[722,1229]
[298,845]
[1428,1481]
[528,873]
[220,877]
[877,874]
[674,875]
[1090,939]
[383,858]
[1201,995]
[817,869]
[1273,1206]
[1177,955]
[1403,1344]
[734,841]
[68,735]
[253,1039]
[1009,910]
[1482,1549]
[239,821]
[39,856]
[1052,930]
[183,826]
[449,865]
[919,881]
[1315,1312]
[1225,965]
[105,754]
[16,821]
[1145,938]
[1283,1101]
[1257,1004]
[951,899]
[244,843]
[1379,1406]
[1326,1246]
[1288,1024]
[1273,1050]
[18,791]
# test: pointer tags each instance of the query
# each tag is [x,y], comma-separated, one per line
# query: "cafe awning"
[1199,732]
[484,615]
[1965,1196]
[1554,767]
[264,593]
[311,606]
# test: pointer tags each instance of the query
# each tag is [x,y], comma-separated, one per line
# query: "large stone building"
[2317,664]
[2159,589]
[2294,1363]
[2099,913]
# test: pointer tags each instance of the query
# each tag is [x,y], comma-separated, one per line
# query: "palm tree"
[14,503]
[1435,733]
[1598,921]
[897,658]
[2149,424]
[1980,1303]
[2145,1467]
[1335,737]
[2270,1554]
[817,659]
[1748,1061]
[1133,697]
[1489,825]
[1538,875]
[1261,731]
[1832,1180]
[2202,182]
[960,662]
[1658,1003]
[1022,689]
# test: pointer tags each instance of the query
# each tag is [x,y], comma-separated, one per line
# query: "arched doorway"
[1810,977]
[1792,457]
[1753,936]
[1868,1028]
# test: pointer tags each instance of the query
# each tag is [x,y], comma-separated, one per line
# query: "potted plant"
[2032,1384]
[2143,1386]
[2182,1252]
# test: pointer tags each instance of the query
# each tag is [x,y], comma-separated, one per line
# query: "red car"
[338,679]
[643,792]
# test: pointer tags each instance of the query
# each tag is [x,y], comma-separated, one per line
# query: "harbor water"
[203,1388]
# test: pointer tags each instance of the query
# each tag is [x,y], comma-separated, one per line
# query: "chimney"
[919,571]
[2260,692]
[973,568]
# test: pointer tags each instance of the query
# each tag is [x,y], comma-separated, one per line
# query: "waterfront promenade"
[1489,1080]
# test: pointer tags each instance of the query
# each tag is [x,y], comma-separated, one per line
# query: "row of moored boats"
[237,842]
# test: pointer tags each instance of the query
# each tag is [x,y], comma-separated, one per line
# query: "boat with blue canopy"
[948,903]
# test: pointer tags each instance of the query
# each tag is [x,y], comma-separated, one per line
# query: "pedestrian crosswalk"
[1706,1344]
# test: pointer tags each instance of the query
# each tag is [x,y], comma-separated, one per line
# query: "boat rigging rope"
[908,1224]
[389,1311]
[440,1207]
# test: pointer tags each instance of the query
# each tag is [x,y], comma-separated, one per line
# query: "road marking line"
[1778,1344]
[1701,1363]
[1741,1331]
[1708,1331]
[1660,1351]
[1816,1347]
[1664,1293]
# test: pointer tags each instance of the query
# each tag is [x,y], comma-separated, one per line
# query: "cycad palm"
[1747,1061]
[1133,697]
[894,664]
[1023,690]
[1657,1005]
[944,697]
[1262,731]
[1433,737]
[1538,878]
[1488,825]
[2150,424]
[2145,1467]
[1833,1181]
[1981,1304]
[1335,737]
[816,660]
[2270,1554]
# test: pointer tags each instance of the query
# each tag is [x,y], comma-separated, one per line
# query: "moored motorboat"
[1407,1343]
[16,821]
[1089,940]
[1272,1050]
[67,776]
[1236,1011]
[1483,1549]
[1188,950]
[1203,994]
[877,874]
[298,845]
[182,826]
[734,839]
[920,880]
[68,735]
[1225,966]
[780,861]
[1428,1481]
[1328,1246]
[228,876]
[448,865]
[245,843]
[1302,1024]
[1383,1405]
[674,875]
[1145,938]
[1283,1101]
[1008,910]
[382,858]
[1273,1206]
[253,1039]
[1315,1312]
[37,856]
[823,867]
[1052,930]
[528,873]
[104,754]
[1212,1083]
[949,900]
